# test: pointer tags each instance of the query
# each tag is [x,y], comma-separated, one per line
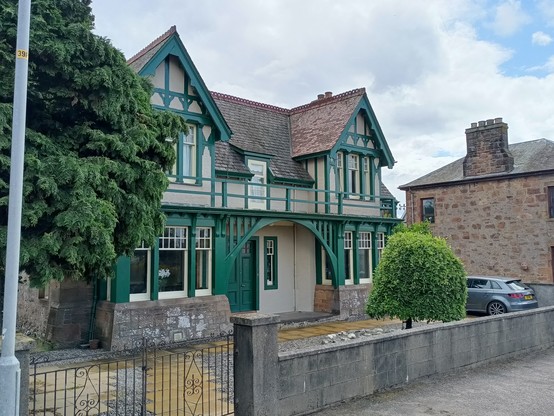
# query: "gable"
[177,83]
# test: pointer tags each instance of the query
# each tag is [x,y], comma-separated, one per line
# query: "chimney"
[320,97]
[328,94]
[487,148]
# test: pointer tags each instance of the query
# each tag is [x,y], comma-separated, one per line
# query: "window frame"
[348,257]
[424,217]
[364,245]
[340,171]
[273,283]
[204,248]
[257,201]
[353,184]
[183,242]
[136,297]
[178,172]
[380,245]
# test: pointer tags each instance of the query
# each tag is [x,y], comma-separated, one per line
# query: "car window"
[516,285]
[481,284]
[469,282]
[495,285]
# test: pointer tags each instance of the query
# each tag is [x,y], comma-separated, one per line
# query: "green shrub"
[418,278]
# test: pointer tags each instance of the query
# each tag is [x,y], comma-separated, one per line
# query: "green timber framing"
[226,202]
[328,231]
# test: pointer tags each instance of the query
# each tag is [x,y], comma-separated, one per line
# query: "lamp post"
[10,372]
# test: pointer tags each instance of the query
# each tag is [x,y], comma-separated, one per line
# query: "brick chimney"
[487,148]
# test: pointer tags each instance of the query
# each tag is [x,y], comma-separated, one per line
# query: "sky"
[430,67]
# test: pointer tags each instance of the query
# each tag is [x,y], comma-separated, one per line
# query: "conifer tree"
[95,152]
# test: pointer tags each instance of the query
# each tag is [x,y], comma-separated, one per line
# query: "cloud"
[427,72]
[541,39]
[509,18]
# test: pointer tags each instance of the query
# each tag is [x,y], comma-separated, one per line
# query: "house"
[268,209]
[495,206]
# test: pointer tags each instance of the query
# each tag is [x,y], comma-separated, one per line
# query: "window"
[365,266]
[257,193]
[140,274]
[270,263]
[348,258]
[340,171]
[380,244]
[551,201]
[203,261]
[327,268]
[428,209]
[189,155]
[173,262]
[184,168]
[368,188]
[353,175]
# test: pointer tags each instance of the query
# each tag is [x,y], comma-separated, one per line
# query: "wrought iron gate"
[153,379]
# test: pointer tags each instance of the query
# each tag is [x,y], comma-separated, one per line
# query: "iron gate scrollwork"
[150,379]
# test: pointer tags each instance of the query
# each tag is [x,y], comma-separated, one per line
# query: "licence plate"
[528,297]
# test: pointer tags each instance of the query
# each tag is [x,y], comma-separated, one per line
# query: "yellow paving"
[87,388]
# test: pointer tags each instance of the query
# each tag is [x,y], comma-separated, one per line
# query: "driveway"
[517,386]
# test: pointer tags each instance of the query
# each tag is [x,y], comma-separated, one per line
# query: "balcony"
[243,195]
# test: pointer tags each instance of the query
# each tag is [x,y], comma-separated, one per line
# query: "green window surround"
[270,263]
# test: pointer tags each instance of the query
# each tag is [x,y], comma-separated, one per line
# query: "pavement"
[516,386]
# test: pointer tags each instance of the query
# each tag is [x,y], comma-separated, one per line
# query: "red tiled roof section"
[249,103]
[152,45]
[317,126]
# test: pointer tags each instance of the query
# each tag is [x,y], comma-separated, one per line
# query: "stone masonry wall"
[123,325]
[347,301]
[497,227]
[32,312]
[320,376]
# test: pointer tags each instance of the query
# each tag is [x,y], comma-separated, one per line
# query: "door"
[479,294]
[242,287]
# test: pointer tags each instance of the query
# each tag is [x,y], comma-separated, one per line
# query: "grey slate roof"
[529,157]
[258,128]
[137,61]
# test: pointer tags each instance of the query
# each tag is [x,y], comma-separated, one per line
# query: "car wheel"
[496,308]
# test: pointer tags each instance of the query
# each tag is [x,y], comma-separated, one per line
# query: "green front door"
[242,280]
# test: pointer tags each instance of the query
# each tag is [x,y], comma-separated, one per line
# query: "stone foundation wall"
[497,227]
[346,301]
[123,325]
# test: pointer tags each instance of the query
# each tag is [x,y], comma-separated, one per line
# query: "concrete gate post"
[256,364]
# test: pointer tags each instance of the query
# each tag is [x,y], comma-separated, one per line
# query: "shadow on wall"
[544,293]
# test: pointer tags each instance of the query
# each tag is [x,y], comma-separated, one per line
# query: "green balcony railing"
[238,194]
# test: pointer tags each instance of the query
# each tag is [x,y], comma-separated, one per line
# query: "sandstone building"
[495,206]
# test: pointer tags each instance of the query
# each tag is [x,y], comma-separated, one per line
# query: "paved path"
[518,386]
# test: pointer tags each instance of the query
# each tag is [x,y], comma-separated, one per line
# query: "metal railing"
[232,193]
[153,379]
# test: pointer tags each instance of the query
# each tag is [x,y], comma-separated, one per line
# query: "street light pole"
[10,372]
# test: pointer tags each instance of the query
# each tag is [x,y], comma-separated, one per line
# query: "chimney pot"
[473,125]
[481,124]
[328,94]
[498,120]
[320,96]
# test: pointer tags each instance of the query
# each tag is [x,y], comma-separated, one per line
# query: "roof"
[141,58]
[316,127]
[258,128]
[529,157]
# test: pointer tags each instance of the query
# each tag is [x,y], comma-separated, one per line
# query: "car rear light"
[515,295]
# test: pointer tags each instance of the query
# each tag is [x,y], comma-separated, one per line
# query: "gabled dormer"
[178,87]
[342,144]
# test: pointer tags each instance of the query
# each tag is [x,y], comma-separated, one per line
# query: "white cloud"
[541,39]
[427,73]
[509,18]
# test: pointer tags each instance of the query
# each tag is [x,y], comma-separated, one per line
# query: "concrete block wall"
[124,325]
[314,378]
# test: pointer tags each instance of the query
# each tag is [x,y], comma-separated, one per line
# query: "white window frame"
[257,193]
[135,297]
[364,243]
[367,178]
[175,243]
[204,244]
[349,253]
